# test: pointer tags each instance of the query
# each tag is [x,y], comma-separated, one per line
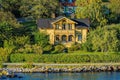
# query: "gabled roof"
[82,22]
[47,23]
[60,18]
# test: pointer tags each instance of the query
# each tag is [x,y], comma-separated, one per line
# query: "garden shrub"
[47,48]
[28,65]
[4,54]
[37,49]
[17,57]
[59,49]
[30,49]
[65,58]
[74,47]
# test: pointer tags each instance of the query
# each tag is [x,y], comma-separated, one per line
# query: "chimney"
[72,15]
[53,15]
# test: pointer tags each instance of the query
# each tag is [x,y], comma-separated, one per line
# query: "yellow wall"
[83,31]
[53,32]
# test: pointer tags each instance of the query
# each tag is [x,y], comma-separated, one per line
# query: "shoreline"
[58,68]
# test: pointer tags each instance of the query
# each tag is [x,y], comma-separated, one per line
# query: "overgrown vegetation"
[22,42]
[103,39]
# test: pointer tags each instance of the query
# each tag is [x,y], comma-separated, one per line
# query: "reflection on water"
[68,76]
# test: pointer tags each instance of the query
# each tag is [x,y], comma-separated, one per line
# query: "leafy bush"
[47,48]
[37,49]
[74,47]
[4,54]
[21,41]
[30,49]
[87,46]
[17,57]
[28,65]
[40,39]
[59,48]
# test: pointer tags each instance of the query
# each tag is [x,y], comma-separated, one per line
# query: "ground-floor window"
[70,38]
[79,37]
[64,38]
[57,37]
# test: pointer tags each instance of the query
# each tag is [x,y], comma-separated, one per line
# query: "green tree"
[41,8]
[8,18]
[92,9]
[8,24]
[41,39]
[35,8]
[104,39]
[114,7]
[6,31]
[11,6]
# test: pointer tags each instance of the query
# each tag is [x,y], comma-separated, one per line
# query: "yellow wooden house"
[64,30]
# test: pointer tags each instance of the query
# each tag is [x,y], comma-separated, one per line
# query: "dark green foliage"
[41,39]
[36,8]
[6,31]
[65,58]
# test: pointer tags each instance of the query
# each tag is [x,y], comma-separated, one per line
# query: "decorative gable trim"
[63,18]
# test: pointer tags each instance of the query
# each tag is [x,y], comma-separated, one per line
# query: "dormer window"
[57,26]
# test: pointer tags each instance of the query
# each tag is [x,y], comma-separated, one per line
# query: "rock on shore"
[45,69]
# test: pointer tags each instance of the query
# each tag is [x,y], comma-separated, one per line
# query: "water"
[68,76]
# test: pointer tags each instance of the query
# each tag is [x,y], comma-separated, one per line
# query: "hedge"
[64,58]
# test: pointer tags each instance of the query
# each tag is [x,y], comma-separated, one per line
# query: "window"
[64,26]
[70,38]
[79,37]
[57,37]
[64,38]
[57,26]
[70,26]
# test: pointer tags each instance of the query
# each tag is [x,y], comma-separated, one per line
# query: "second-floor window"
[70,26]
[57,26]
[63,26]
